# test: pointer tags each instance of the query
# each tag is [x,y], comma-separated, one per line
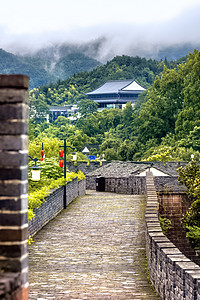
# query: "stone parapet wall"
[91,182]
[136,184]
[53,204]
[173,275]
[173,206]
[168,184]
[124,185]
[81,187]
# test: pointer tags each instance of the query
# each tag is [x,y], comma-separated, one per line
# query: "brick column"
[13,186]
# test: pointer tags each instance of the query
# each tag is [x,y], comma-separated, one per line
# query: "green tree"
[188,118]
[190,176]
[87,107]
[38,110]
[158,115]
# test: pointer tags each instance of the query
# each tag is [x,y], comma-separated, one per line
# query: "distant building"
[115,94]
[67,111]
[87,148]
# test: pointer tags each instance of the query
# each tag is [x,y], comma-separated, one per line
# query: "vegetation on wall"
[190,176]
[52,176]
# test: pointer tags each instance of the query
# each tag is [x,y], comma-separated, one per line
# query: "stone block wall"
[90,182]
[124,185]
[173,275]
[81,188]
[53,204]
[173,206]
[13,186]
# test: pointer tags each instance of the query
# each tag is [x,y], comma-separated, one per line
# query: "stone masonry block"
[13,250]
[12,219]
[14,81]
[13,203]
[14,111]
[13,173]
[13,127]
[18,142]
[13,95]
[13,159]
[13,187]
[13,235]
[13,184]
[14,265]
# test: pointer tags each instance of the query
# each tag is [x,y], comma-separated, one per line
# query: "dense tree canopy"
[189,116]
[164,124]
[121,67]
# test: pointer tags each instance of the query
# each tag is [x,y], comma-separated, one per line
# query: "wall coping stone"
[173,275]
[18,81]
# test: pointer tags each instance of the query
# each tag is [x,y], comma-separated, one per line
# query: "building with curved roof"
[116,93]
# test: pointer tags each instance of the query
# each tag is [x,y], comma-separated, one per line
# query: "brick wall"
[173,275]
[13,187]
[53,204]
[124,185]
[174,206]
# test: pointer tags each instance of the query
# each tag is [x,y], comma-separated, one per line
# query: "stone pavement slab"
[95,249]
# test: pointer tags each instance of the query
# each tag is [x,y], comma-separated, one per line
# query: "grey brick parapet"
[122,185]
[13,186]
[172,274]
[53,204]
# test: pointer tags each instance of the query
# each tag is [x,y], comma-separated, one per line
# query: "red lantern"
[61,153]
[42,159]
[61,163]
[42,153]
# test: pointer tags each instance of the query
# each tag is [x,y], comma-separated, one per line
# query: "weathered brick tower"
[13,186]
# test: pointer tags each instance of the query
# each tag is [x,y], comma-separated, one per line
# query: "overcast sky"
[126,23]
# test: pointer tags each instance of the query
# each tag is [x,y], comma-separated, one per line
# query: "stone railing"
[53,204]
[172,274]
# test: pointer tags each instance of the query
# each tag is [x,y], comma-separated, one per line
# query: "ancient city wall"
[130,185]
[173,206]
[53,204]
[173,275]
[124,185]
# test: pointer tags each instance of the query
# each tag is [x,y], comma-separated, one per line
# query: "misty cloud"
[107,40]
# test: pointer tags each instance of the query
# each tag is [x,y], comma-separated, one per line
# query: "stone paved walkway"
[95,249]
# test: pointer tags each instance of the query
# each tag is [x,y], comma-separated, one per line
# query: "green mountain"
[72,89]
[14,64]
[45,69]
[60,62]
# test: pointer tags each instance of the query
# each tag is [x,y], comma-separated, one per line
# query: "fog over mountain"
[50,40]
[102,42]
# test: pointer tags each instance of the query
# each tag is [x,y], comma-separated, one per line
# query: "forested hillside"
[121,67]
[164,125]
[45,69]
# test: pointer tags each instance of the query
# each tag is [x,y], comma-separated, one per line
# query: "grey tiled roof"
[125,169]
[113,86]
